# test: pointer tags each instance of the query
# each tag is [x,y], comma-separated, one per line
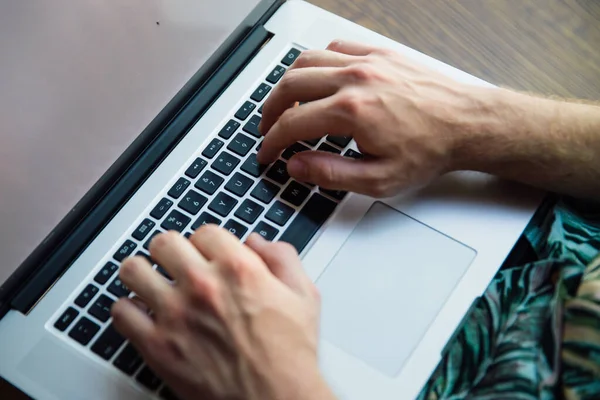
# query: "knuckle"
[205,290]
[359,73]
[351,103]
[380,188]
[240,269]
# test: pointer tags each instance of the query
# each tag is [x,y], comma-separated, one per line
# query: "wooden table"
[544,46]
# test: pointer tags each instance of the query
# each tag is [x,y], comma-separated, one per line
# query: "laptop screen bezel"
[60,248]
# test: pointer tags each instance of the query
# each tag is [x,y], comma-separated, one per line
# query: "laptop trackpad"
[386,285]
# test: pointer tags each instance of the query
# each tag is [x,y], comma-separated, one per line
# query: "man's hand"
[238,322]
[413,124]
[404,118]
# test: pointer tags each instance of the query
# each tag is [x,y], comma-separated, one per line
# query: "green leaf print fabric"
[535,333]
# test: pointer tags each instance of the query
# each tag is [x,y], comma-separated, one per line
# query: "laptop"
[124,119]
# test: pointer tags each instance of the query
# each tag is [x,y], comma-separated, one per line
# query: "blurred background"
[550,47]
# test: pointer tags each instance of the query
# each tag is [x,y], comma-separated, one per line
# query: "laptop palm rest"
[386,285]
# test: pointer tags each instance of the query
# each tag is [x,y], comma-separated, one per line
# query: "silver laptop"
[119,120]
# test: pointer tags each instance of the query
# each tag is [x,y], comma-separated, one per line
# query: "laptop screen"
[79,80]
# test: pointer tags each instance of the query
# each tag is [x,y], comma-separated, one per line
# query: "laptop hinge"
[165,138]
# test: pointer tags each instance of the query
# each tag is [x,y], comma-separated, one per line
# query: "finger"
[131,322]
[283,262]
[309,121]
[351,48]
[137,274]
[217,244]
[176,255]
[322,58]
[139,303]
[303,85]
[332,171]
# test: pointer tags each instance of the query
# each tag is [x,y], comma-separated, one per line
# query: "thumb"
[283,262]
[332,171]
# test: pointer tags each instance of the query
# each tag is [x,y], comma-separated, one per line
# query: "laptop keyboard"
[226,186]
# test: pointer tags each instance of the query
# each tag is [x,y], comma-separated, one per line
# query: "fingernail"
[297,168]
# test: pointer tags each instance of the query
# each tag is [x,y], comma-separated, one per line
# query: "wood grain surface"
[545,46]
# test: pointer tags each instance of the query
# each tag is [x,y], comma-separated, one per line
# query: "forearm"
[554,145]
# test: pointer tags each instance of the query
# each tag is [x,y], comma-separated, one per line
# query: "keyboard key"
[290,57]
[241,144]
[144,229]
[295,193]
[213,148]
[84,330]
[276,74]
[222,204]
[260,109]
[175,221]
[266,231]
[341,141]
[204,219]
[129,360]
[197,166]
[167,394]
[312,142]
[328,148]
[148,378]
[147,244]
[353,154]
[118,288]
[163,272]
[108,343]
[225,163]
[125,250]
[187,235]
[245,110]
[66,319]
[161,208]
[146,256]
[252,167]
[105,273]
[229,129]
[86,295]
[294,149]
[308,221]
[192,202]
[236,228]
[251,126]
[178,188]
[239,184]
[336,194]
[101,308]
[260,92]
[265,191]
[249,211]
[279,213]
[278,172]
[209,182]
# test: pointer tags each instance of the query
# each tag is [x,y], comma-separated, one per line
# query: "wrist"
[495,129]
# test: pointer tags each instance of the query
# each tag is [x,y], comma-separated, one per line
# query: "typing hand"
[239,321]
[407,120]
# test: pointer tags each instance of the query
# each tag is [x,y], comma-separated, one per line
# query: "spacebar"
[306,224]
